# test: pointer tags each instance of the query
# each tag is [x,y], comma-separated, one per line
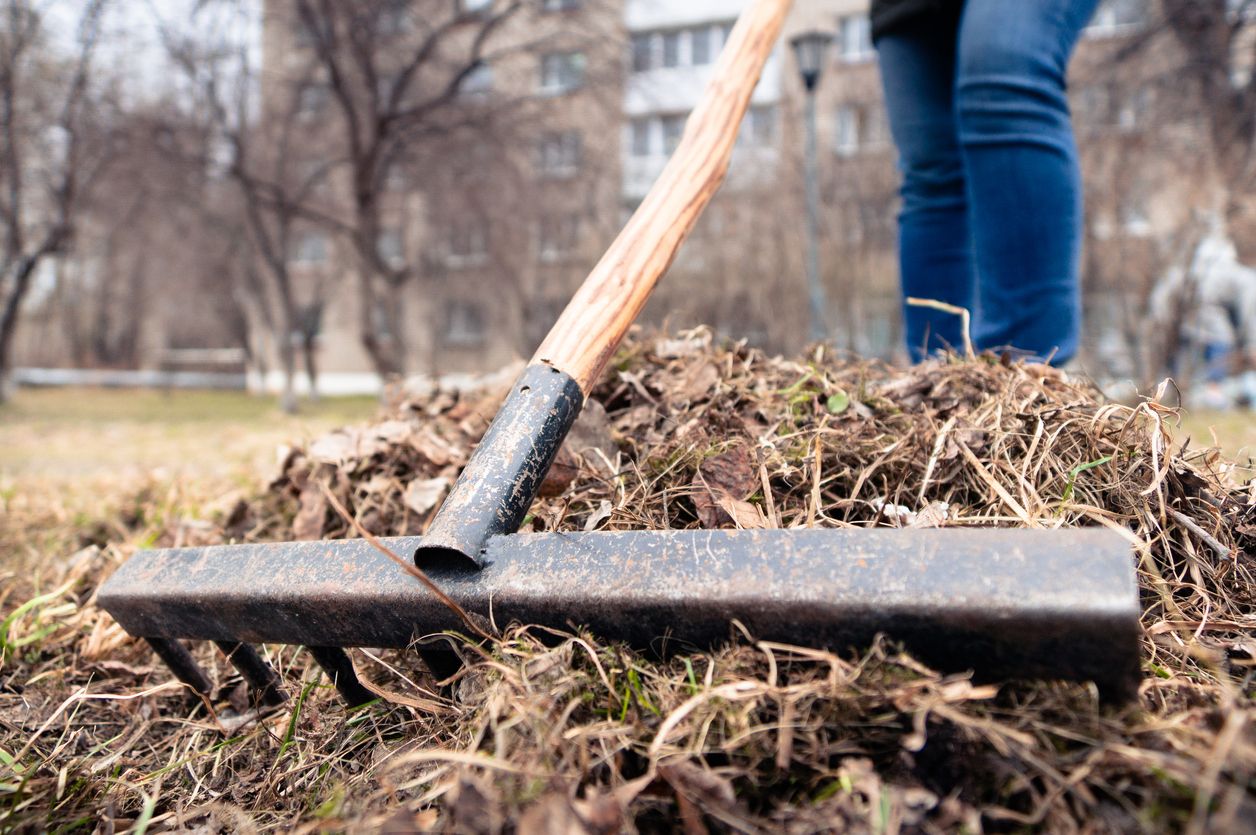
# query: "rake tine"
[260,675]
[441,663]
[181,663]
[336,664]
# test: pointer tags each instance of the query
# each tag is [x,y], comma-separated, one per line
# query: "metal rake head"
[1004,603]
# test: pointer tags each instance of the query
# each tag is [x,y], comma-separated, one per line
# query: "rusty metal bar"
[1005,603]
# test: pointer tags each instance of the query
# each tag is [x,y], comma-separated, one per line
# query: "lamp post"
[810,51]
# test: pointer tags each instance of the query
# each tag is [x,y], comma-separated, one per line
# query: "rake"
[1058,604]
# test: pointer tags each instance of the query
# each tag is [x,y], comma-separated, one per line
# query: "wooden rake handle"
[590,328]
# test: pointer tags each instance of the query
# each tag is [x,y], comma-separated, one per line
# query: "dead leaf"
[688,345]
[727,477]
[437,450]
[744,515]
[602,513]
[423,494]
[475,805]
[698,789]
[697,383]
[592,431]
[934,515]
[561,473]
[311,515]
[551,815]
[601,814]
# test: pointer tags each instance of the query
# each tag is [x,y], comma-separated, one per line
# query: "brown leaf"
[423,494]
[475,805]
[727,477]
[312,514]
[601,814]
[552,815]
[603,512]
[592,431]
[697,789]
[696,384]
[742,514]
[437,450]
[561,473]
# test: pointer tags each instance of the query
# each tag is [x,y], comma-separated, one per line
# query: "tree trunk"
[377,311]
[8,321]
[288,361]
[311,372]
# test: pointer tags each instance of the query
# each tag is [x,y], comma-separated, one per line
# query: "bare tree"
[52,149]
[407,81]
[276,175]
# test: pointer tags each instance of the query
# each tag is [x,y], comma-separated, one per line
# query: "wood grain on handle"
[585,336]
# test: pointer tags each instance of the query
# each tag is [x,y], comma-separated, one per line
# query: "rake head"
[1003,603]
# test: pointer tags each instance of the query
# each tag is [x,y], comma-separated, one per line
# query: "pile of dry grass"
[563,733]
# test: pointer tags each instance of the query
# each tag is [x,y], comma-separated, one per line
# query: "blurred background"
[304,198]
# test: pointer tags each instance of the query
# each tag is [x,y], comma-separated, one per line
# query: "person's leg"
[1024,183]
[934,248]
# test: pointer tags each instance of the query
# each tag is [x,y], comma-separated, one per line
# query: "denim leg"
[1024,182]
[934,245]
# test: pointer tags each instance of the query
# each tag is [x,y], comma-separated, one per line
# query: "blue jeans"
[991,216]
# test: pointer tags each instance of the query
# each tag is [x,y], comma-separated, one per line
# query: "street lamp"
[811,49]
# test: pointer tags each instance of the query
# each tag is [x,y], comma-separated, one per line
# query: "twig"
[965,318]
[407,566]
[1209,539]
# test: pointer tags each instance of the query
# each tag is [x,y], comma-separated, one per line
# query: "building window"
[395,179]
[652,50]
[671,49]
[859,129]
[1116,16]
[854,38]
[381,321]
[759,129]
[388,246]
[700,46]
[846,138]
[464,325]
[478,81]
[310,249]
[1133,112]
[312,100]
[562,72]
[1093,105]
[306,37]
[468,245]
[642,52]
[393,20]
[558,154]
[673,129]
[559,236]
[641,137]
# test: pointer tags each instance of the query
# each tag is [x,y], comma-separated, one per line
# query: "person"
[991,216]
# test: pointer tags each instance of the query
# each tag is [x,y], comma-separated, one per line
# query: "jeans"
[991,215]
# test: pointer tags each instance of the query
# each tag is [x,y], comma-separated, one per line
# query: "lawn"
[72,457]
[74,434]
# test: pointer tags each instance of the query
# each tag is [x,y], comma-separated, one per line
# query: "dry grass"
[564,733]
